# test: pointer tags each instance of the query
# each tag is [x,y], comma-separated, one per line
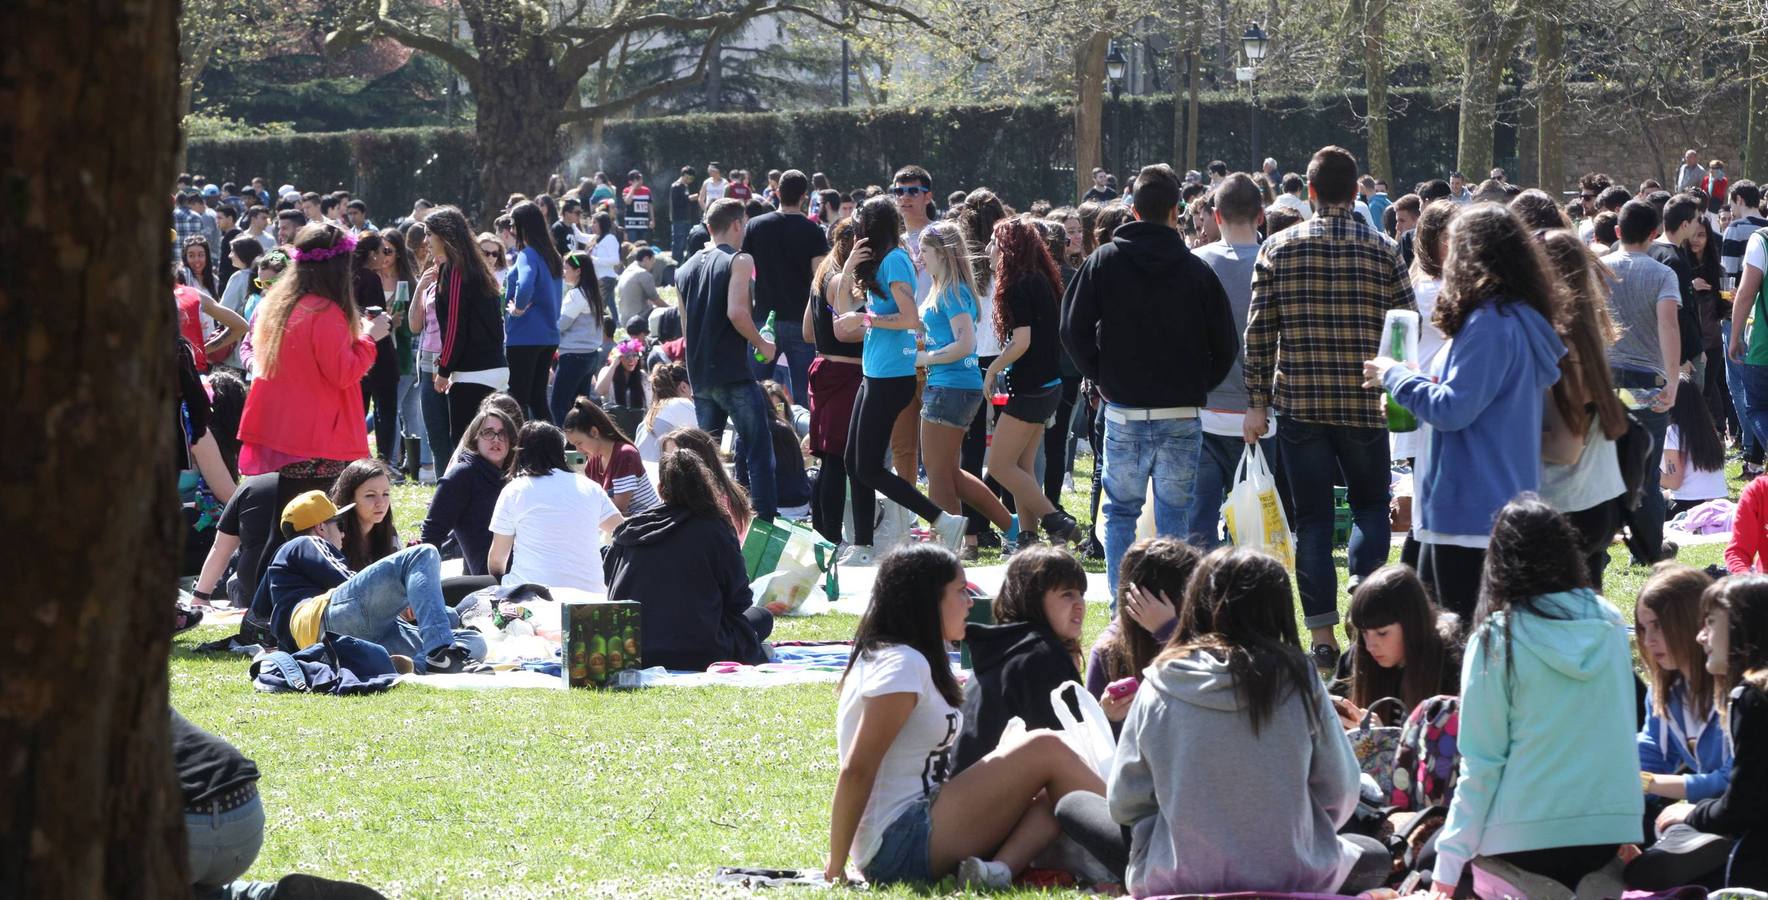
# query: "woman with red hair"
[1027,306]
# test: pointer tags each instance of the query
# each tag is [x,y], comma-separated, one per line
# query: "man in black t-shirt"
[787,248]
[684,213]
[566,232]
[248,524]
[1681,217]
[1101,191]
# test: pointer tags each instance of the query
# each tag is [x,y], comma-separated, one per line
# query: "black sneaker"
[1682,856]
[312,887]
[1325,657]
[988,539]
[449,660]
[1670,549]
[1061,528]
[1092,549]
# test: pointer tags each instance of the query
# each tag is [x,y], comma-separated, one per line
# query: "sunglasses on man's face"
[909,190]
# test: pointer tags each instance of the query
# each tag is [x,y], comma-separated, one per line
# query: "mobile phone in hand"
[1123,687]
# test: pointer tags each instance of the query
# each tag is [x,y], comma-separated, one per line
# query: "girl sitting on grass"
[1404,648]
[1682,747]
[731,495]
[899,813]
[1032,649]
[369,532]
[1153,573]
[612,460]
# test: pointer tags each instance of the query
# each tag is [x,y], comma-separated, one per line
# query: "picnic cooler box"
[601,643]
[781,546]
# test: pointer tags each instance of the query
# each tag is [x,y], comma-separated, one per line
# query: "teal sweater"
[1547,742]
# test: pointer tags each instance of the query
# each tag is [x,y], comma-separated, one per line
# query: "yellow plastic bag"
[1254,513]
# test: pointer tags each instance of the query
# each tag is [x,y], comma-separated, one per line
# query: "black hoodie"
[1017,666]
[1148,321]
[687,572]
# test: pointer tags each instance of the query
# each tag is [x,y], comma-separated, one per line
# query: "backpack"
[1427,761]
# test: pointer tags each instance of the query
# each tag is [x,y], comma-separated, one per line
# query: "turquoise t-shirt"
[889,352]
[936,317]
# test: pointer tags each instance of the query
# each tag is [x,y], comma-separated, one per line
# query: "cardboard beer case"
[601,641]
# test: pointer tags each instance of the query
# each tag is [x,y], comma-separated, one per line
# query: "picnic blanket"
[856,585]
[813,662]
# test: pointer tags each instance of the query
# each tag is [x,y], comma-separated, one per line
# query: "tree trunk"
[1549,101]
[1372,16]
[519,96]
[1490,36]
[1193,84]
[1089,87]
[89,805]
[1755,148]
[715,76]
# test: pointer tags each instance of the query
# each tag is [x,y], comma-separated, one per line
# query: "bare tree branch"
[377,24]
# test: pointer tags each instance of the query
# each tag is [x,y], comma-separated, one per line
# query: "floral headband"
[345,244]
[631,347]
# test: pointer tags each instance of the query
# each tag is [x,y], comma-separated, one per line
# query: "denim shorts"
[952,407]
[1036,405]
[905,851]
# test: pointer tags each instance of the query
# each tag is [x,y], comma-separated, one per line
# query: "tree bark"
[1490,36]
[1372,18]
[1549,101]
[89,805]
[1193,84]
[1755,150]
[519,96]
[1089,88]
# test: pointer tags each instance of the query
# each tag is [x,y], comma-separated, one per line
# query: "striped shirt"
[624,473]
[1736,240]
[1320,293]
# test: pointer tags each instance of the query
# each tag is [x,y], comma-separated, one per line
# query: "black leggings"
[1453,574]
[1597,526]
[1566,865]
[463,405]
[529,367]
[1057,439]
[828,502]
[974,452]
[380,389]
[880,401]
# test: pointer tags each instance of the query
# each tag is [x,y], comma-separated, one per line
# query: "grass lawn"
[427,793]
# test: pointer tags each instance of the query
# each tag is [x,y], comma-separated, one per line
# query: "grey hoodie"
[1212,808]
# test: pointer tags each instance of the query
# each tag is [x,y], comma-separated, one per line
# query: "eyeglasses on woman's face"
[494,433]
[387,250]
[492,252]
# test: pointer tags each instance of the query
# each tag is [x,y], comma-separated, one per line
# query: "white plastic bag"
[1090,737]
[891,524]
[1254,514]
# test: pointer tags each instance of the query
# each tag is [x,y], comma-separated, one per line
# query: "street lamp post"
[1255,44]
[1114,66]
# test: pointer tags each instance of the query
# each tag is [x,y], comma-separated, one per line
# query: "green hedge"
[1023,151]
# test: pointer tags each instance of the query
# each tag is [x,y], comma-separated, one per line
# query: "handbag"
[1427,761]
[1375,746]
[1633,451]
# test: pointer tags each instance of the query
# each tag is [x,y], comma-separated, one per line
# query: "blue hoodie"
[1663,747]
[1547,717]
[1483,400]
[533,290]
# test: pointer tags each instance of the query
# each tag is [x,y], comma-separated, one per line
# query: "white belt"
[1121,414]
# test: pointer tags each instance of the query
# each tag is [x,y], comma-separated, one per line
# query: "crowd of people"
[575,388]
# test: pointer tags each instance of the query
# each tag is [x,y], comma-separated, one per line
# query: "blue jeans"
[1740,398]
[368,606]
[744,405]
[1162,450]
[1215,478]
[435,416]
[411,420]
[572,380]
[1754,413]
[222,846]
[678,239]
[798,355]
[1312,455]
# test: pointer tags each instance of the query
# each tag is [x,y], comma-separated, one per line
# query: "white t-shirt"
[1291,201]
[1755,253]
[673,415]
[1697,484]
[987,342]
[556,520]
[919,760]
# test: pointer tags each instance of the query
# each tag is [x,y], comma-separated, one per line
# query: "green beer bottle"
[767,333]
[1399,418]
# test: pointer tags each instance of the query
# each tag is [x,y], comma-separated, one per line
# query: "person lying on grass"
[312,591]
[898,813]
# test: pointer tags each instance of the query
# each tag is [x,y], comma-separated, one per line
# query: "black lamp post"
[1255,44]
[1114,67]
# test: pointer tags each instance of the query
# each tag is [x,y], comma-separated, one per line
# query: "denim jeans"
[678,239]
[1215,478]
[368,605]
[1754,414]
[572,380]
[1313,455]
[1162,450]
[411,420]
[798,354]
[1740,400]
[744,405]
[435,420]
[222,846]
[1645,525]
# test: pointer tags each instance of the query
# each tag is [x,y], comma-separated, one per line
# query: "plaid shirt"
[187,223]
[1320,293]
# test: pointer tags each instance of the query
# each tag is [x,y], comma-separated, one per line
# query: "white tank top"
[715,190]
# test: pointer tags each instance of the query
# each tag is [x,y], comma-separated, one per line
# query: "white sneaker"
[985,873]
[426,475]
[950,530]
[855,555]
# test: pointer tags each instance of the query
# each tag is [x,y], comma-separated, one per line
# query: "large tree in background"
[89,806]
[527,61]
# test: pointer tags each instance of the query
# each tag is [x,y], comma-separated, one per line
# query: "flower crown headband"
[345,244]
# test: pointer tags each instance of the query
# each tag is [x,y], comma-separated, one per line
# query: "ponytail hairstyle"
[329,278]
[589,420]
[579,262]
[904,611]
[1699,437]
[668,381]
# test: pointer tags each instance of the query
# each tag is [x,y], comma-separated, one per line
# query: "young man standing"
[1149,323]
[356,215]
[1746,219]
[1236,215]
[289,223]
[912,186]
[640,217]
[310,206]
[257,220]
[1375,194]
[1099,192]
[187,221]
[567,232]
[786,247]
[1294,196]
[312,591]
[720,331]
[684,213]
[1322,290]
[1644,302]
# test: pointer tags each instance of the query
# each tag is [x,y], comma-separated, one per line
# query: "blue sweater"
[1483,398]
[305,567]
[1546,714]
[1663,747]
[535,293]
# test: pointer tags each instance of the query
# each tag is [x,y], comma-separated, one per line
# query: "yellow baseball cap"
[310,509]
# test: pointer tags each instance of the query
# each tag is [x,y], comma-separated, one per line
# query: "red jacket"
[312,406]
[1749,530]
